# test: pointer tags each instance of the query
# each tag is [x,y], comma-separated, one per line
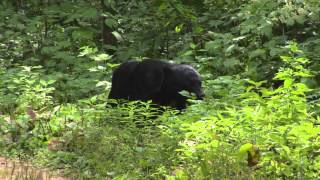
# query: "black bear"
[155,80]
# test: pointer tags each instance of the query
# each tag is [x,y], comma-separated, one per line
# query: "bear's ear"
[148,81]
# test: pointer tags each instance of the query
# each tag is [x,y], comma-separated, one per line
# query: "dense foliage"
[259,61]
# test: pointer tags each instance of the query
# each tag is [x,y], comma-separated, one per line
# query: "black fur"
[155,80]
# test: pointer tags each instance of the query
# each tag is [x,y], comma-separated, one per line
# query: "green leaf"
[82,34]
[101,57]
[104,83]
[90,13]
[86,50]
[231,62]
[288,83]
[198,29]
[187,53]
[193,46]
[267,30]
[239,38]
[117,36]
[244,149]
[111,23]
[178,28]
[110,3]
[230,49]
[258,53]
[211,46]
[257,84]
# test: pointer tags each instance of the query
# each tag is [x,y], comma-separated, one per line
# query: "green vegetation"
[260,63]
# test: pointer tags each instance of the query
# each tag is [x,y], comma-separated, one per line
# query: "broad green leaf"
[239,38]
[101,57]
[117,36]
[244,149]
[231,62]
[258,53]
[111,23]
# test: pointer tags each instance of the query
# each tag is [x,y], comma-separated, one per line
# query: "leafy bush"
[56,59]
[271,128]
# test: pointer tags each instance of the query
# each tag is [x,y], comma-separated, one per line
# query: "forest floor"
[13,169]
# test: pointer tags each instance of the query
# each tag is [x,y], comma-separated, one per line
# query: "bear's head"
[184,77]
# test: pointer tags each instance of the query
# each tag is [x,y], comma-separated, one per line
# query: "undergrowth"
[242,130]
